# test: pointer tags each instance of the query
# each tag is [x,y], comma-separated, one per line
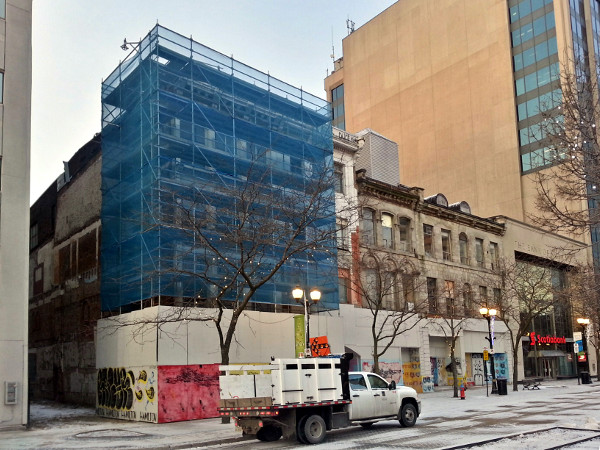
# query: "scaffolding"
[182,122]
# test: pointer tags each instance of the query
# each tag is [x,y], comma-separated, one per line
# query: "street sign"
[486,355]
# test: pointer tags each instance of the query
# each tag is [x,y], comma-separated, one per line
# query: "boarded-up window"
[87,252]
[38,279]
[64,264]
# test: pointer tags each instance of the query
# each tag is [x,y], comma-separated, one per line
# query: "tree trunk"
[597,363]
[515,370]
[454,371]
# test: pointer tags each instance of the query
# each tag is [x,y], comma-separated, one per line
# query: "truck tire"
[300,430]
[314,429]
[408,415]
[269,434]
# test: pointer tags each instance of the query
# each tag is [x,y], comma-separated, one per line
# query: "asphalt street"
[445,423]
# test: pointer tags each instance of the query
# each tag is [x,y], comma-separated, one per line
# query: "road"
[447,422]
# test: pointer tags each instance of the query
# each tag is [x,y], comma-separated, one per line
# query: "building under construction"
[187,132]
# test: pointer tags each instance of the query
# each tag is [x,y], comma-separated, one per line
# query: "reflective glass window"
[522,111]
[530,82]
[541,51]
[520,85]
[524,8]
[528,56]
[518,61]
[526,162]
[524,135]
[539,26]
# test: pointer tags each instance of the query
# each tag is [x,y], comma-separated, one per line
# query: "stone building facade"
[64,299]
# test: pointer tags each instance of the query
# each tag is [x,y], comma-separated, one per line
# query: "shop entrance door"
[548,367]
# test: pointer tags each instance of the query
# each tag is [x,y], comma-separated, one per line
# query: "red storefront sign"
[537,339]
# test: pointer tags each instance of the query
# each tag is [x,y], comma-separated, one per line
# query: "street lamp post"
[490,315]
[300,296]
[584,323]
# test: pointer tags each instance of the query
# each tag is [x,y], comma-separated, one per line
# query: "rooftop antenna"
[350,26]
[332,56]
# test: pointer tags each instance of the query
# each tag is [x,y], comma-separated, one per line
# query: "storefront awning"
[546,353]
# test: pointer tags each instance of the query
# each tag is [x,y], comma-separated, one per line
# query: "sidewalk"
[57,426]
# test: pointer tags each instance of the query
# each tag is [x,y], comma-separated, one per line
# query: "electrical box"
[10,392]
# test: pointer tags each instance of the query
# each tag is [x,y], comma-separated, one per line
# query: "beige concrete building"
[459,86]
[15,133]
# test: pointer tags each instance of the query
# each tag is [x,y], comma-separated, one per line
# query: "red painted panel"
[187,392]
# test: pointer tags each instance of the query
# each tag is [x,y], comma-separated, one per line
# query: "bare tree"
[231,237]
[387,285]
[567,193]
[584,290]
[525,291]
[450,316]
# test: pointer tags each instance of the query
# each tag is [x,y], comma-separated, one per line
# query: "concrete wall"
[15,135]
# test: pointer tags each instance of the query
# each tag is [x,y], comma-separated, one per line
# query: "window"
[337,107]
[343,289]
[38,279]
[428,239]
[483,298]
[449,294]
[1,87]
[463,248]
[357,382]
[370,288]
[404,231]
[467,300]
[376,382]
[479,252]
[338,172]
[389,294]
[498,298]
[367,227]
[33,236]
[446,245]
[342,234]
[493,251]
[387,233]
[2,9]
[408,291]
[432,295]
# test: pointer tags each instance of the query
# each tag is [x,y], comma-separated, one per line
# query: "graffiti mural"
[387,369]
[412,375]
[127,393]
[188,392]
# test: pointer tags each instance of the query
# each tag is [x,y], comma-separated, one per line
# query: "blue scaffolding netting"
[187,131]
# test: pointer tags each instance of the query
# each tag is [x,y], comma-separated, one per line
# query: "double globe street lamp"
[586,364]
[300,296]
[490,315]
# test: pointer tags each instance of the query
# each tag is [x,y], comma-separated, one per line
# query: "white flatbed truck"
[303,398]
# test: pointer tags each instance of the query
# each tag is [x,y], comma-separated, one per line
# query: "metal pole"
[494,382]
[307,327]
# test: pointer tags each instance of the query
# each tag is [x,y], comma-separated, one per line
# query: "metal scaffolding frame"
[180,118]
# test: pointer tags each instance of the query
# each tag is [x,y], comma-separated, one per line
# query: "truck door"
[361,396]
[385,401]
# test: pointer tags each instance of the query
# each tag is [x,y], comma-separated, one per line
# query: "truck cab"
[374,399]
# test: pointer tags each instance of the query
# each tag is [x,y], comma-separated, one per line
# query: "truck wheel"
[269,434]
[300,430]
[314,429]
[408,415]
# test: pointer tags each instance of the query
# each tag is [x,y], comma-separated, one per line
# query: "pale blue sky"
[76,43]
